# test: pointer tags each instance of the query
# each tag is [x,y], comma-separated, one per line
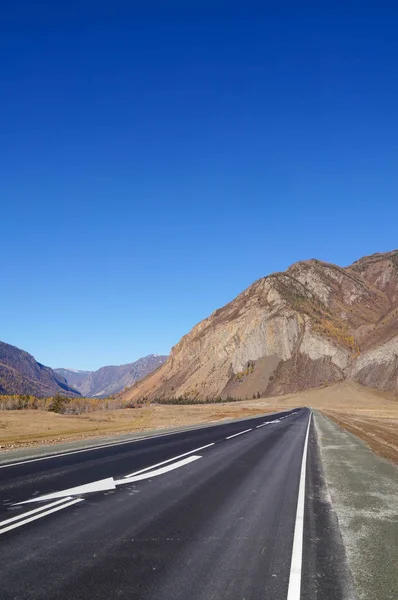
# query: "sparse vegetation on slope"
[306,326]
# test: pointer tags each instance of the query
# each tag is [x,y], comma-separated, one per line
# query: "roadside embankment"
[379,431]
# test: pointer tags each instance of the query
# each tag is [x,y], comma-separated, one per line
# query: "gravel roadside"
[364,492]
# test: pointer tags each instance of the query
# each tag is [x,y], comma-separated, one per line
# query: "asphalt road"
[218,518]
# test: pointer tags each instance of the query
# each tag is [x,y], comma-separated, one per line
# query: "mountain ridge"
[314,324]
[20,373]
[111,379]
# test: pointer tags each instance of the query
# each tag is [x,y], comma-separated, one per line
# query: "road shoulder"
[364,491]
[326,573]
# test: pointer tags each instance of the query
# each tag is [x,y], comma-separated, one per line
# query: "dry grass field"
[370,414]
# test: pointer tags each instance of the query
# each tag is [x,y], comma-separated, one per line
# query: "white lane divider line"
[294,589]
[240,433]
[161,471]
[40,515]
[262,425]
[169,460]
[92,448]
[34,511]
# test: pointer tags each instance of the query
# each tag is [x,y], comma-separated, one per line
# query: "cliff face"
[315,323]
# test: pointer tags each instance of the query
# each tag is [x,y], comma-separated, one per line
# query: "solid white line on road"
[32,512]
[40,515]
[169,460]
[294,589]
[101,485]
[240,433]
[92,448]
[262,424]
[157,472]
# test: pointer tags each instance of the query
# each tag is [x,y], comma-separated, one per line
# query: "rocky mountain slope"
[20,373]
[111,379]
[314,324]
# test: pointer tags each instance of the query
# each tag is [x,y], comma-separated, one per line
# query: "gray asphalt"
[221,526]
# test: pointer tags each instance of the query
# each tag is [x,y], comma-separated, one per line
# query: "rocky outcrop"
[316,323]
[378,367]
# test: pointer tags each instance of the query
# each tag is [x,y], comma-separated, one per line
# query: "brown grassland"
[370,414]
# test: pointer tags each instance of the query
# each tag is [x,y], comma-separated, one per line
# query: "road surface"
[233,511]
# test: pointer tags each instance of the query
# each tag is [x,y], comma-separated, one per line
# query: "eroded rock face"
[316,347]
[290,331]
[378,367]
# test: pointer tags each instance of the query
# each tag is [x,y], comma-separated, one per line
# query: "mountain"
[74,377]
[111,379]
[312,325]
[20,373]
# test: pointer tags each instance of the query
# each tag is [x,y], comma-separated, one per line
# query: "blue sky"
[154,165]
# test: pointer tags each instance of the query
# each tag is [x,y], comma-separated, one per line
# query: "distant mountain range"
[312,325]
[111,379]
[20,373]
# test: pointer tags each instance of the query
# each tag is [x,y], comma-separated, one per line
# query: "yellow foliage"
[337,331]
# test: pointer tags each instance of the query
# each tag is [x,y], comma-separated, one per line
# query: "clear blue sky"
[153,166]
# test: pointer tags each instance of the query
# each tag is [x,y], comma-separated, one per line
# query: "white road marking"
[240,433]
[109,483]
[32,512]
[148,437]
[92,448]
[294,589]
[270,422]
[40,515]
[160,471]
[169,460]
[95,486]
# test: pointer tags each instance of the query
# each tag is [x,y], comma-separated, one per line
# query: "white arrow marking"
[169,460]
[96,486]
[157,472]
[109,484]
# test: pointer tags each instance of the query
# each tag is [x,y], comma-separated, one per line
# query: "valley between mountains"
[238,444]
[317,335]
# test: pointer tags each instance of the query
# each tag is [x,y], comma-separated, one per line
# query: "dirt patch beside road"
[381,432]
[26,428]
